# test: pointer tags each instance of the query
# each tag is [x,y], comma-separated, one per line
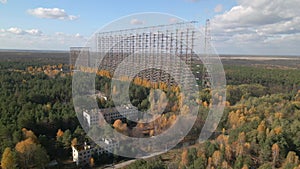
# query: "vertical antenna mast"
[207,49]
[207,37]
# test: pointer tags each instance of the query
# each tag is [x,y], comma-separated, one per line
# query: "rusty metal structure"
[162,41]
[206,77]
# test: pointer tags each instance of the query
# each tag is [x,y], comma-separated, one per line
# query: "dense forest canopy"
[260,126]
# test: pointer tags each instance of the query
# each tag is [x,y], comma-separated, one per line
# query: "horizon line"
[67,51]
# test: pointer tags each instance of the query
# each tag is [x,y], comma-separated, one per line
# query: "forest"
[260,127]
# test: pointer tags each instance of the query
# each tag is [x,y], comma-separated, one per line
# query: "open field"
[265,61]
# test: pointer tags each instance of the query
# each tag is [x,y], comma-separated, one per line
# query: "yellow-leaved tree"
[8,160]
[184,157]
[275,153]
[30,153]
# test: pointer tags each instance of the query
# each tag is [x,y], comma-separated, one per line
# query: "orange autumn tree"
[29,134]
[92,162]
[30,152]
[275,153]
[291,158]
[120,127]
[8,160]
[217,158]
[59,133]
[184,157]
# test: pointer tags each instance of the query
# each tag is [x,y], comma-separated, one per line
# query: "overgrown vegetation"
[260,127]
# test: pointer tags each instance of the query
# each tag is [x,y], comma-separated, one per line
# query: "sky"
[260,27]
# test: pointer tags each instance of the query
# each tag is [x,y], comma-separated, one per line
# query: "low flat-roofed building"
[110,115]
[82,154]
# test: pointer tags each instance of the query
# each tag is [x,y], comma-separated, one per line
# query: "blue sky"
[238,26]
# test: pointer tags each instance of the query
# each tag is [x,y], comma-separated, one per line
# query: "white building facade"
[83,154]
[110,115]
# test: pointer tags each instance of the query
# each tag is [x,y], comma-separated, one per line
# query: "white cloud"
[173,20]
[259,12]
[19,31]
[3,1]
[284,27]
[77,35]
[65,35]
[59,33]
[35,32]
[35,39]
[15,30]
[218,8]
[136,22]
[256,23]
[51,13]
[63,41]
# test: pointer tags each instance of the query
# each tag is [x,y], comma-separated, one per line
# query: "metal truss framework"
[162,42]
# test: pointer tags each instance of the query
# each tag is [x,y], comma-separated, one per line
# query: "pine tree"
[74,142]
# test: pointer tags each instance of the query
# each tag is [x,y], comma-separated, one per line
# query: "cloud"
[19,31]
[136,22]
[61,40]
[218,8]
[17,38]
[260,12]
[15,30]
[59,33]
[77,35]
[51,13]
[34,32]
[3,1]
[257,23]
[173,20]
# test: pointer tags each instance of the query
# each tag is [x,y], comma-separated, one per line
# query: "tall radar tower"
[206,79]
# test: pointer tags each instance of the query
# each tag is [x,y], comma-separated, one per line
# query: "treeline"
[22,60]
[258,132]
[259,129]
[42,104]
[275,80]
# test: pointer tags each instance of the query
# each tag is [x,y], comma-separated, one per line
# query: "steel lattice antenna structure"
[162,42]
[206,79]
